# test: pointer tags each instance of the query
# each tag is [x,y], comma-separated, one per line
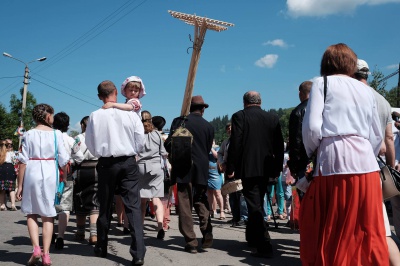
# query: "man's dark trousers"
[121,172]
[254,189]
[190,196]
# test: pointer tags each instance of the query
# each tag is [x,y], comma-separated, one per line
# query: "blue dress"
[214,178]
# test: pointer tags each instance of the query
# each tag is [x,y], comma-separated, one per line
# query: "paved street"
[229,246]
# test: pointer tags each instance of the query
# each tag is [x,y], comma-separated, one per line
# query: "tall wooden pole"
[199,34]
[201,24]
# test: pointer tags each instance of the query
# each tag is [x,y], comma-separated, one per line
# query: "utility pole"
[25,91]
[24,94]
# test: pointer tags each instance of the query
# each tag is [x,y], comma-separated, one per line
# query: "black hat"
[158,122]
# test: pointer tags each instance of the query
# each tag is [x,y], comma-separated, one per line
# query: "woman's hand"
[19,193]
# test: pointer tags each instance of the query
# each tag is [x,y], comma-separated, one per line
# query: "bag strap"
[56,157]
[325,87]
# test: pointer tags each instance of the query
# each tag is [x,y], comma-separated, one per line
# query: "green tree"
[16,106]
[219,128]
[73,133]
[392,97]
[376,82]
[5,127]
[9,121]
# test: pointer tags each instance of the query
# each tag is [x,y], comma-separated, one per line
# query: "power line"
[90,32]
[12,85]
[80,92]
[73,96]
[11,77]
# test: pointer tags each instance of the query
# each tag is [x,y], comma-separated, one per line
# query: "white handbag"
[231,187]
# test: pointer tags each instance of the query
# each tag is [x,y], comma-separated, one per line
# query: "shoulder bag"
[60,185]
[390,181]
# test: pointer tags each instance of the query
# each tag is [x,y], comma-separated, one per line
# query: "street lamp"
[26,77]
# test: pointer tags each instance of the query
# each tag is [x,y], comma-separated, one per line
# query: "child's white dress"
[40,184]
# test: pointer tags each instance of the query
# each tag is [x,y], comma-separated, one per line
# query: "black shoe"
[59,243]
[191,249]
[161,234]
[264,252]
[241,223]
[126,231]
[207,240]
[100,252]
[137,262]
[53,238]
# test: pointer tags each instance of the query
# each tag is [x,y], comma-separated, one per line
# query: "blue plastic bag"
[59,193]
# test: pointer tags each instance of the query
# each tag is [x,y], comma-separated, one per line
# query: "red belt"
[42,159]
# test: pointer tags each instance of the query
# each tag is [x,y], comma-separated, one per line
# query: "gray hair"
[252,97]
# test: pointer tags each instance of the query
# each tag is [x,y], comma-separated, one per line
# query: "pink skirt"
[341,221]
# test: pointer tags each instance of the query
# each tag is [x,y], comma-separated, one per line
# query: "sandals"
[36,254]
[282,216]
[222,216]
[13,208]
[3,208]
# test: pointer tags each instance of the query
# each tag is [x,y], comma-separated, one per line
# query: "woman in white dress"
[150,167]
[37,183]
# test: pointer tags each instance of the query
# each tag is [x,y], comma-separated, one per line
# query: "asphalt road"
[229,247]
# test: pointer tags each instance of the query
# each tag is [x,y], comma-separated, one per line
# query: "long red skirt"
[341,221]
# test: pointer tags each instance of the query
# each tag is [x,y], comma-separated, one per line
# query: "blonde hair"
[147,123]
[3,152]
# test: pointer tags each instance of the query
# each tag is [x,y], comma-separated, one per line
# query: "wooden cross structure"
[201,24]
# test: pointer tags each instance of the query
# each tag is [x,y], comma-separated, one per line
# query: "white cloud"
[320,8]
[268,61]
[394,66]
[277,42]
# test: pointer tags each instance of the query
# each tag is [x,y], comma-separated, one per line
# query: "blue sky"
[273,47]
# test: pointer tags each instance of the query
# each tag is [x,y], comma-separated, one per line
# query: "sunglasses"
[6,144]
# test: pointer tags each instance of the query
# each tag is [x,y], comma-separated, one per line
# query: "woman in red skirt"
[341,221]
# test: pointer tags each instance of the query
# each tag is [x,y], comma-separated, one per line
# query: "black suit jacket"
[256,144]
[298,158]
[203,136]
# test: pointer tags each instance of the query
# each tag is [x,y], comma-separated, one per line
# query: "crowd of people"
[121,159]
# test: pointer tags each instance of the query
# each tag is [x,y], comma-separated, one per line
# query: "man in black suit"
[298,158]
[192,187]
[255,155]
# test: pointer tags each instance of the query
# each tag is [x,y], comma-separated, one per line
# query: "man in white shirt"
[116,137]
[384,112]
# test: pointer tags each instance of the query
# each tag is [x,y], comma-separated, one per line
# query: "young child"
[133,89]
[37,179]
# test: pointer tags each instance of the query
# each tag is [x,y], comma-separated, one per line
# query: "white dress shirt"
[113,132]
[345,129]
